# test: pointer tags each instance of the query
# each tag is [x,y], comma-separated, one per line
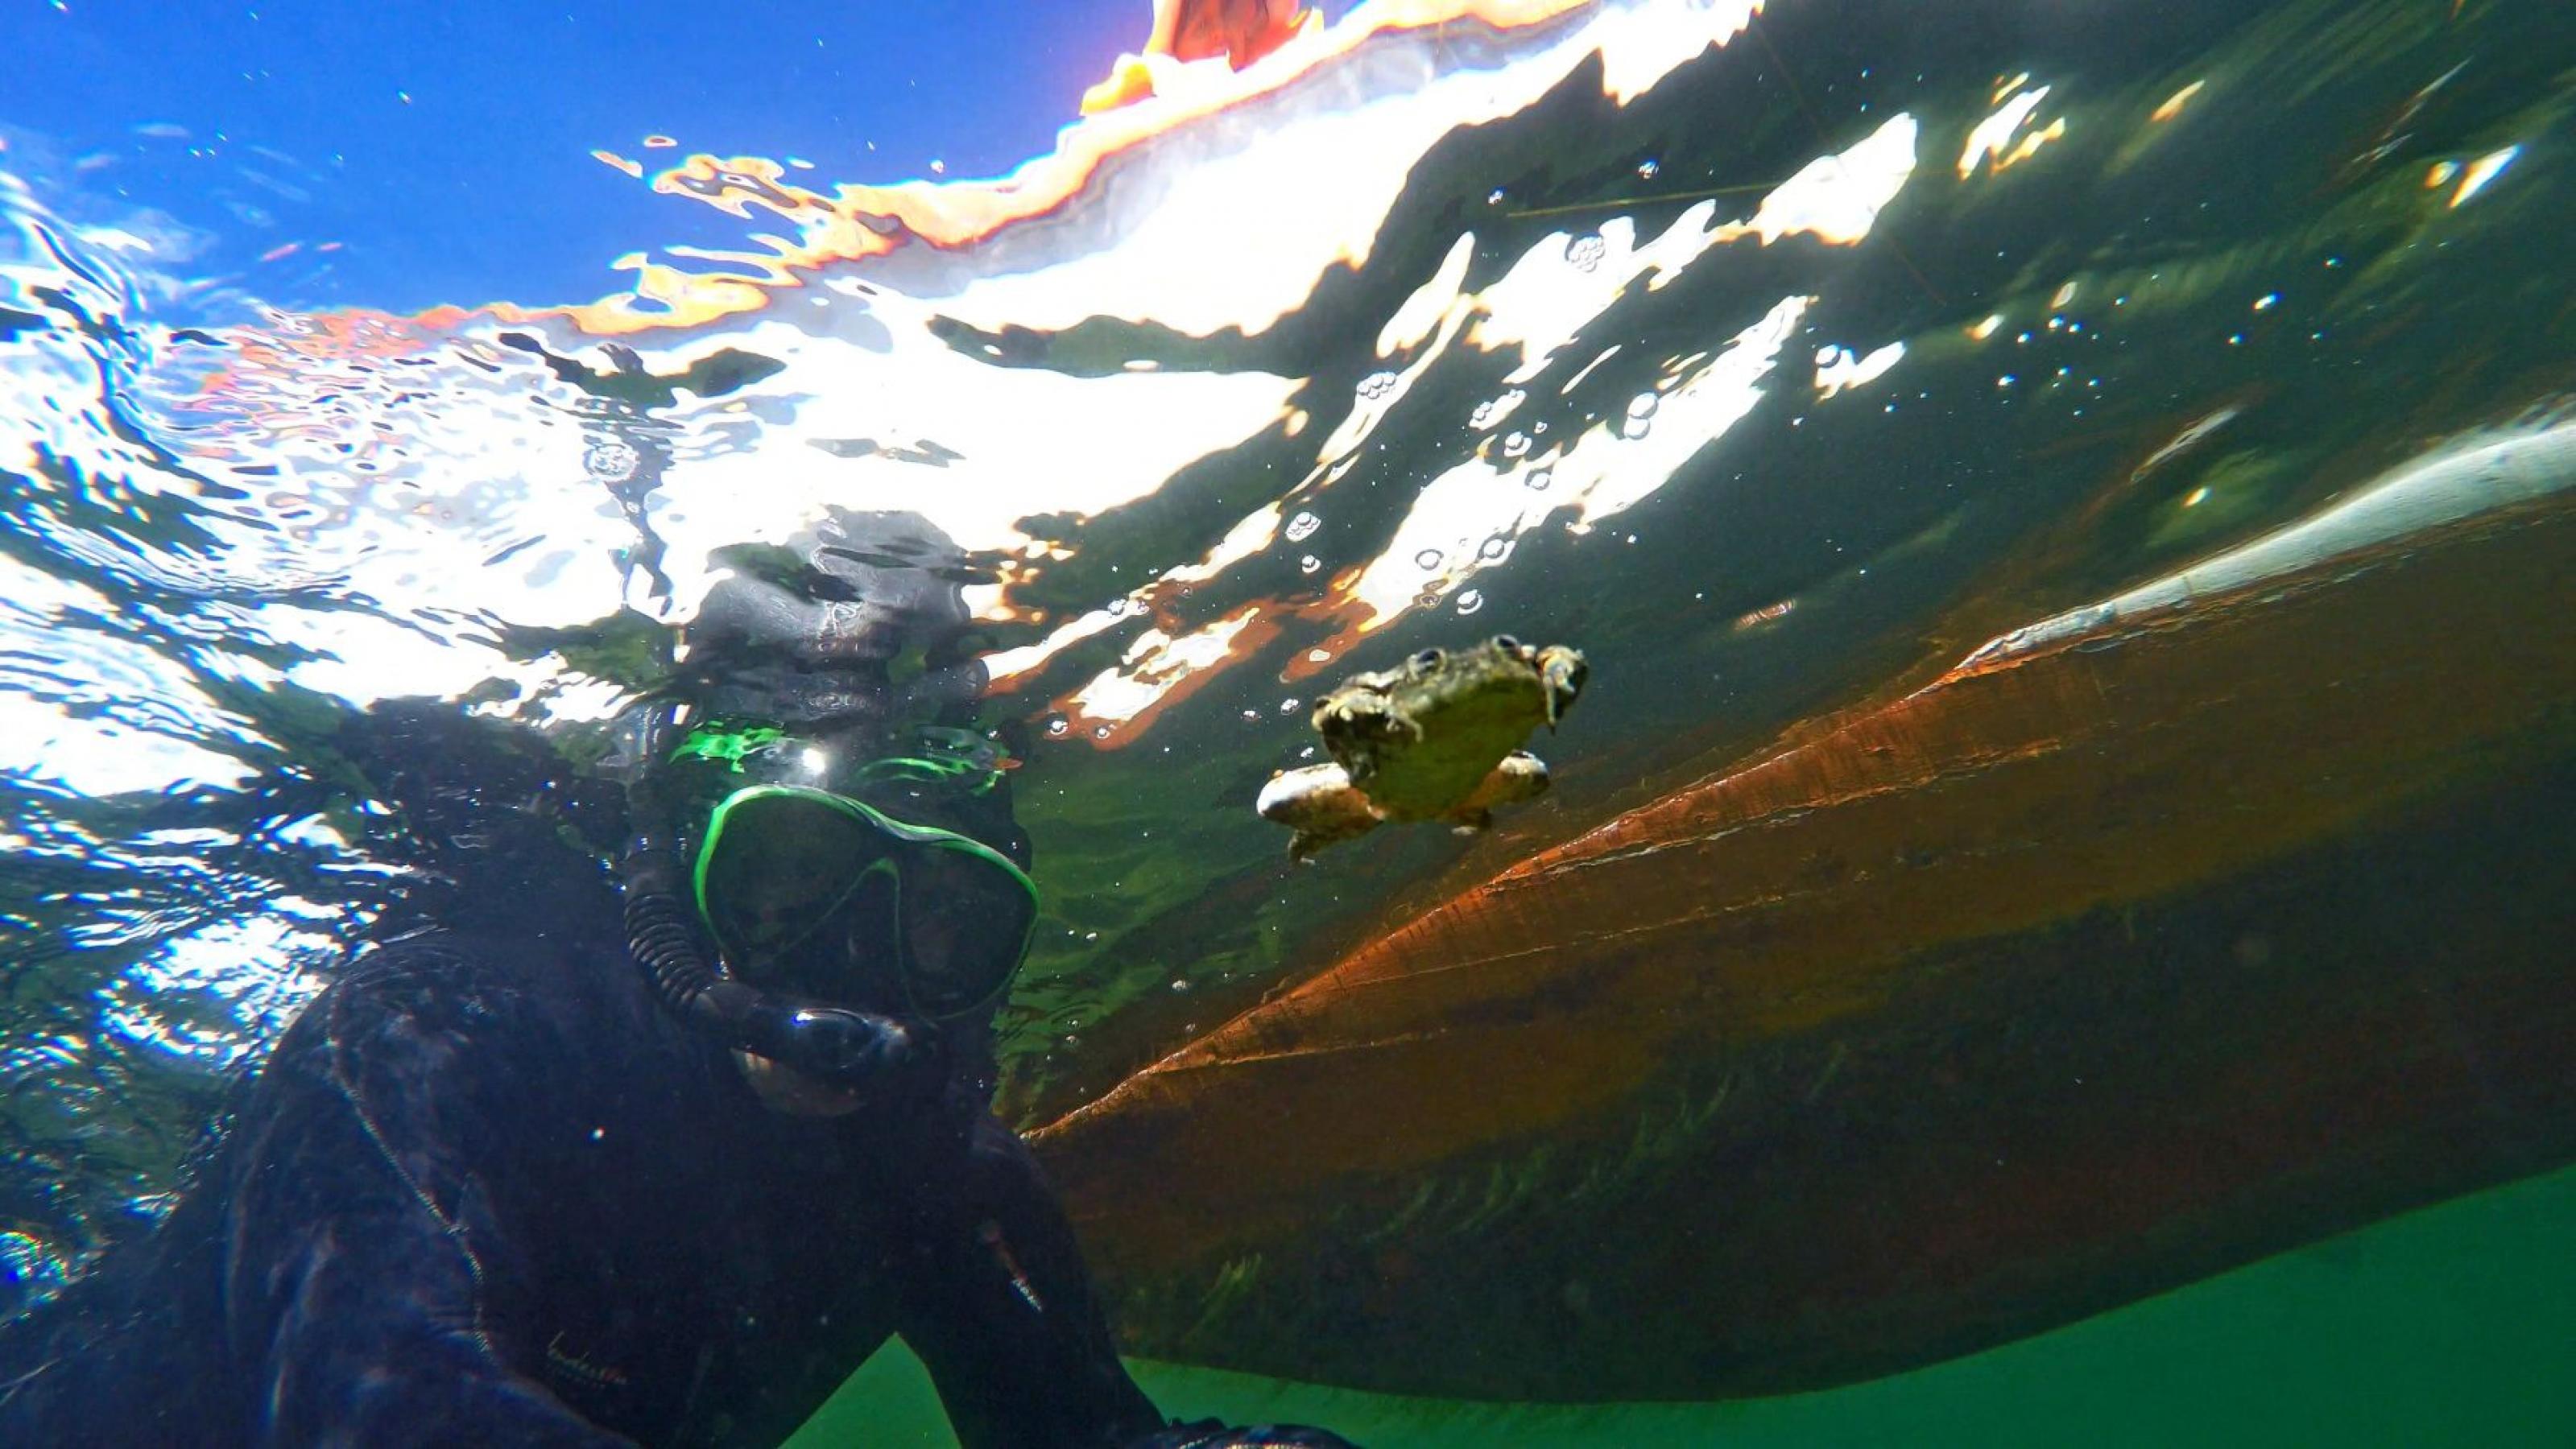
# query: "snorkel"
[836,1045]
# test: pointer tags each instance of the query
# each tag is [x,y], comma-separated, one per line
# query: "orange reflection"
[1239,31]
[2174,103]
[1242,31]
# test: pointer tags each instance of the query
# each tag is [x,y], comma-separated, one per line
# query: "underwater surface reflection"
[2066,508]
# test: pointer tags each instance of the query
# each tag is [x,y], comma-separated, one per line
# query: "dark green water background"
[2451,1325]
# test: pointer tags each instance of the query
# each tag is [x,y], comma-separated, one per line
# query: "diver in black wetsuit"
[499,1186]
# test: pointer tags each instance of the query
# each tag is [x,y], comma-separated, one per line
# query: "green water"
[2455,1324]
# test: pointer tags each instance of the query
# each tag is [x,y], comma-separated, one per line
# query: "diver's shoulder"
[486,964]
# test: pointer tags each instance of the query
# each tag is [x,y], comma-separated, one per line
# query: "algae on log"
[2099,964]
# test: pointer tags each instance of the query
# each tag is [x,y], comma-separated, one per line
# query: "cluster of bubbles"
[1489,412]
[1641,414]
[612,461]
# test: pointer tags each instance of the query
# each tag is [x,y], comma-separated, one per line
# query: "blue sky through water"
[446,143]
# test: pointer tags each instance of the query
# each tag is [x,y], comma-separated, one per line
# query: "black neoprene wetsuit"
[485,1191]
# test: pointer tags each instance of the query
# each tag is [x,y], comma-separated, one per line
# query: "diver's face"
[801,884]
[846,960]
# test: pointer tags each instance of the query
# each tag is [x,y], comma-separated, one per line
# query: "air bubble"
[1377,385]
[1539,479]
[1309,564]
[1287,706]
[1493,549]
[1302,527]
[1516,445]
[1100,732]
[1057,726]
[1641,413]
[1469,601]
[1429,558]
[1586,252]
[612,462]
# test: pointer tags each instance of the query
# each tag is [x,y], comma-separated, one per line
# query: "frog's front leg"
[1562,671]
[1350,718]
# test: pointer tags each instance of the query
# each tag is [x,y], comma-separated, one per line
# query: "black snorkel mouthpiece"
[835,1045]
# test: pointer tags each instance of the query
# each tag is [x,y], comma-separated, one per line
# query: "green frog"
[1435,738]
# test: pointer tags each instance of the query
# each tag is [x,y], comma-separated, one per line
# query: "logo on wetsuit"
[579,1367]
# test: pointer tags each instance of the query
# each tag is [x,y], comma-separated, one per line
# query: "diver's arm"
[1000,1309]
[358,1251]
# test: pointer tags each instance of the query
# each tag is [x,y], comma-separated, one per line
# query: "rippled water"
[1777,362]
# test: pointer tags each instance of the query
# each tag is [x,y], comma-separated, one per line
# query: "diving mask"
[810,884]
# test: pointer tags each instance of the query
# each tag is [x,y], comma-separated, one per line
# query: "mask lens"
[776,866]
[796,884]
[966,921]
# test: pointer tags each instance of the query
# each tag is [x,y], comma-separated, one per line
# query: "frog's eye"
[1429,659]
[1507,644]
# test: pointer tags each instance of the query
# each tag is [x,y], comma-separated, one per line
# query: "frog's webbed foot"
[1352,712]
[1354,721]
[1319,805]
[1311,839]
[1470,821]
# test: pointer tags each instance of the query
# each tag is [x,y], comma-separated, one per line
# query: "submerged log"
[2093,967]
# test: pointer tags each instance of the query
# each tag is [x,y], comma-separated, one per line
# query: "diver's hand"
[1211,1434]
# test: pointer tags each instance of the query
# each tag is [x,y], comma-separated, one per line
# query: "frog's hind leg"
[1519,776]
